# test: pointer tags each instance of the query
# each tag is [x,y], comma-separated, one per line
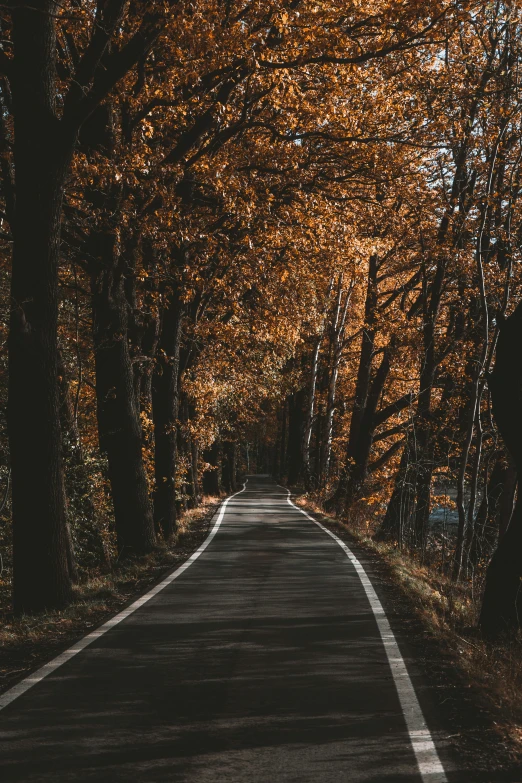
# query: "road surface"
[262,662]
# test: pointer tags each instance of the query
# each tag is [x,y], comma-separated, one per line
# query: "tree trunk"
[397,524]
[229,479]
[425,447]
[309,418]
[423,480]
[359,455]
[326,448]
[494,512]
[165,408]
[277,447]
[362,386]
[502,602]
[320,438]
[194,472]
[119,423]
[295,437]
[212,477]
[80,506]
[42,153]
[283,445]
[143,329]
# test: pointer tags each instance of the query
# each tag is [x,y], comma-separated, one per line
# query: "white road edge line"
[44,671]
[428,761]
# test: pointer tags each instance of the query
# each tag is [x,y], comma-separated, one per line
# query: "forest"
[276,237]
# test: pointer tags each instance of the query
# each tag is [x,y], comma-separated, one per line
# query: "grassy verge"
[28,641]
[449,612]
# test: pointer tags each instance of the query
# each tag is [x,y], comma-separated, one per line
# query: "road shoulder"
[462,719]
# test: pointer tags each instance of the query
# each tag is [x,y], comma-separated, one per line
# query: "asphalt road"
[262,662]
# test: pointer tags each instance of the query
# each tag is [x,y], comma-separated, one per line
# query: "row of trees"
[411,361]
[284,234]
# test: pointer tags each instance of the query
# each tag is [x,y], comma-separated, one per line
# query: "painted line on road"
[44,671]
[428,761]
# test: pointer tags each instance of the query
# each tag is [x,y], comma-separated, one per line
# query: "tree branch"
[388,454]
[108,17]
[203,123]
[118,65]
[399,405]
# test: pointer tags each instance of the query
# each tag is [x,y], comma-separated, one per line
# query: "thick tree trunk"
[119,423]
[502,602]
[42,154]
[165,408]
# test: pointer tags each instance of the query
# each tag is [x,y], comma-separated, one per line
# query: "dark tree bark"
[42,153]
[362,386]
[494,512]
[194,472]
[319,450]
[309,480]
[359,453]
[425,446]
[165,409]
[119,423]
[212,477]
[277,447]
[397,523]
[283,443]
[502,601]
[296,423]
[229,471]
[337,346]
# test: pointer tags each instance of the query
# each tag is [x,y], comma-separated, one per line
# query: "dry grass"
[450,611]
[29,640]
